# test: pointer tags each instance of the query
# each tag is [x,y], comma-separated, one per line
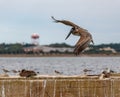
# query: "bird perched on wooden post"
[85,36]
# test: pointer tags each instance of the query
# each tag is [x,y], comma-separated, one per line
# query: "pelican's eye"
[73,28]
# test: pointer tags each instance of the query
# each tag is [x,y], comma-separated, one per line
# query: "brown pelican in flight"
[85,36]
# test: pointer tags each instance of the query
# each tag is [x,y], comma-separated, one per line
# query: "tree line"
[17,48]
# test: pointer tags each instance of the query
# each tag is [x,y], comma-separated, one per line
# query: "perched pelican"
[106,73]
[85,36]
[27,73]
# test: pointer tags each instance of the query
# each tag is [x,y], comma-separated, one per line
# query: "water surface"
[66,65]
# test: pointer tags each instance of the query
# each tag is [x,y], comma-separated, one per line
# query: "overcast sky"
[20,18]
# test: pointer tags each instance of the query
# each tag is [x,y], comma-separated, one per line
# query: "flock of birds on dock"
[30,73]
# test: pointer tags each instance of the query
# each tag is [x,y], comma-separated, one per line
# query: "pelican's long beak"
[68,34]
[92,42]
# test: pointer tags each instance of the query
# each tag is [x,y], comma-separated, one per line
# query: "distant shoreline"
[59,55]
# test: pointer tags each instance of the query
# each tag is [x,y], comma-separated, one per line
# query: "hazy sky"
[20,18]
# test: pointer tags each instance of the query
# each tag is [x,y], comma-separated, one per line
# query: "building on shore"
[47,50]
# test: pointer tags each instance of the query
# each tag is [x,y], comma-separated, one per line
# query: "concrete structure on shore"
[60,86]
[46,49]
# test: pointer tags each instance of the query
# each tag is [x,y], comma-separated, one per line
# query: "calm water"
[66,65]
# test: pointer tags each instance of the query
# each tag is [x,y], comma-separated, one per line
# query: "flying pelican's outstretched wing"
[64,22]
[68,23]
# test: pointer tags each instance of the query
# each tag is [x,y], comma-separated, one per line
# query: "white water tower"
[35,38]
